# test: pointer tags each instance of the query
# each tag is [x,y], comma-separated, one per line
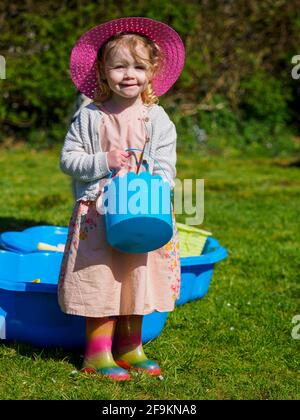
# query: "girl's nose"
[128,72]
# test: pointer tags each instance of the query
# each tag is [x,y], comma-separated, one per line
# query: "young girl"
[123,66]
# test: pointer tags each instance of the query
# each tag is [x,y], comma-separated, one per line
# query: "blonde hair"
[131,41]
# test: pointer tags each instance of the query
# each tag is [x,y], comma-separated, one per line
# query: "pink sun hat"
[84,53]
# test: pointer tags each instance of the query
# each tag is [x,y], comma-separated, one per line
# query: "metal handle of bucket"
[113,172]
[151,157]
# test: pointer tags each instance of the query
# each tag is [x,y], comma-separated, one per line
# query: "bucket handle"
[113,172]
[151,157]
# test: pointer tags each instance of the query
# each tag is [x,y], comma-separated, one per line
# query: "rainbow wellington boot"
[127,346]
[98,357]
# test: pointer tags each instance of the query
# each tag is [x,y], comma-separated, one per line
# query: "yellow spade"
[42,246]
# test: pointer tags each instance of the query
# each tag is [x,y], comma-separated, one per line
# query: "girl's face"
[125,76]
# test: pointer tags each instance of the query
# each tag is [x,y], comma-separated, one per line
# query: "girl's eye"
[137,67]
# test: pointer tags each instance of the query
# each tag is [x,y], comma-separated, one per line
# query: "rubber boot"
[98,356]
[127,346]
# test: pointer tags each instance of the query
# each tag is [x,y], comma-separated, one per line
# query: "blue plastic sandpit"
[29,311]
[196,272]
[27,240]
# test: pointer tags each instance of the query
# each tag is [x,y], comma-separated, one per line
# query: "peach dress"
[97,280]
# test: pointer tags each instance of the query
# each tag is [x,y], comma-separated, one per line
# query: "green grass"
[236,342]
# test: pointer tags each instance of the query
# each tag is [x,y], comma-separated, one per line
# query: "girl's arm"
[76,162]
[166,154]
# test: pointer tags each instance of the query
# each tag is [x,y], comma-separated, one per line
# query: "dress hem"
[78,313]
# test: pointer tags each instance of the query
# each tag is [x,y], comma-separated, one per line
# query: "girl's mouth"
[127,85]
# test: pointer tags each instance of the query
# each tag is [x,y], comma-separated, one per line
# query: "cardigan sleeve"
[165,154]
[75,161]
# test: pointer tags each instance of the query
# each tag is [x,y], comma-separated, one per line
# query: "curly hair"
[131,41]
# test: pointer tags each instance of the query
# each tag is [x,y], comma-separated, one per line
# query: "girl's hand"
[117,159]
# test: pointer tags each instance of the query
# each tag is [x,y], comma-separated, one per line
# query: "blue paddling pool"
[27,241]
[29,311]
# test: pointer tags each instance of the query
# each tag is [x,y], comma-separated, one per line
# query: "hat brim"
[84,53]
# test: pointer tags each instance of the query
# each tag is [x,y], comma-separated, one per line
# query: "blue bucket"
[138,211]
[138,215]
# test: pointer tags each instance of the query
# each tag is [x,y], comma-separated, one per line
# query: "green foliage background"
[236,83]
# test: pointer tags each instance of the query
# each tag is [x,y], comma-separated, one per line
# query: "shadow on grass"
[72,356]
[12,223]
[289,164]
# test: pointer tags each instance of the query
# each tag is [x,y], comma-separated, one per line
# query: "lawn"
[236,342]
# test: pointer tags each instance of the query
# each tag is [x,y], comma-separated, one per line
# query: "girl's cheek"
[115,72]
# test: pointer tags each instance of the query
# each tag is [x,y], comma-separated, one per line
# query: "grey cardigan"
[82,158]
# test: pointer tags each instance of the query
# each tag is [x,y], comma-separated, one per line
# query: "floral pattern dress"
[97,280]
